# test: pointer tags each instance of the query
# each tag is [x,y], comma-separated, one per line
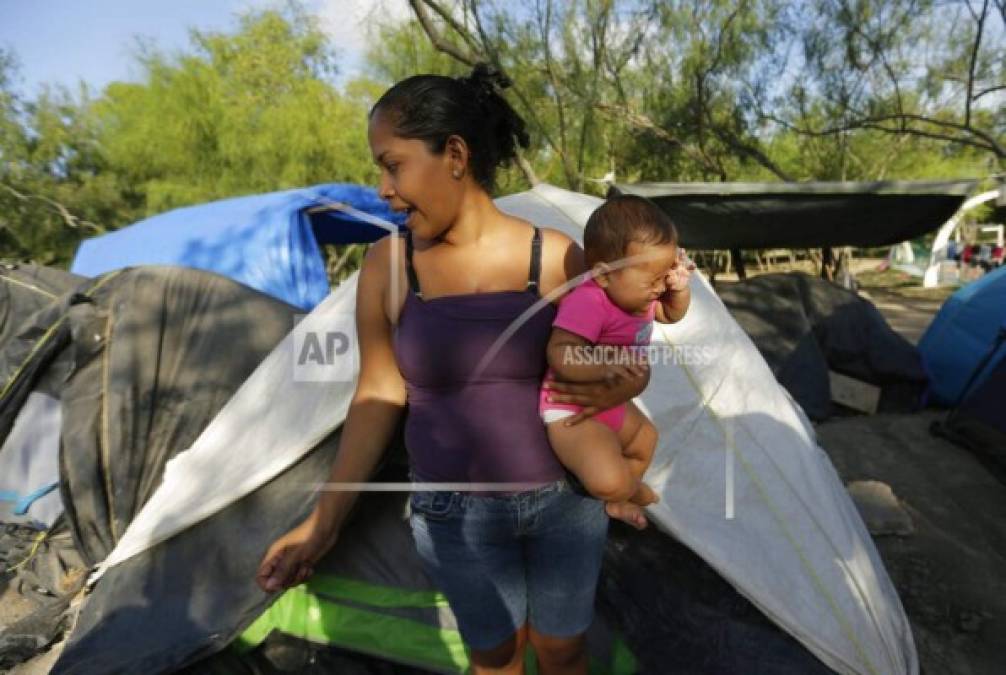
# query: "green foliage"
[250,111]
[756,90]
[244,113]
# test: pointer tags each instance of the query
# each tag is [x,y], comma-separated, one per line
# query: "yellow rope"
[39,538]
[29,286]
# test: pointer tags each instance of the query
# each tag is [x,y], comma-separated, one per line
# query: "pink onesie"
[589,312]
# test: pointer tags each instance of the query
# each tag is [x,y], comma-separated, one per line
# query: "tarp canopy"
[803,215]
[742,482]
[270,242]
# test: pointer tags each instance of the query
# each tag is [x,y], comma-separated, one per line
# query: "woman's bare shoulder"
[384,260]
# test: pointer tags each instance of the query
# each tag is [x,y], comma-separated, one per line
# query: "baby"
[638,275]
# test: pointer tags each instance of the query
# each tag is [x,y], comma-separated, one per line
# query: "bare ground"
[951,572]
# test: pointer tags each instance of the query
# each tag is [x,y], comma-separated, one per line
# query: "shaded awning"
[803,215]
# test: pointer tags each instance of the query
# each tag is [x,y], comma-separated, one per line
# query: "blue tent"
[962,335]
[271,242]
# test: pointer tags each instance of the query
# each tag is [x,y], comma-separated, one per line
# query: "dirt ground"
[951,571]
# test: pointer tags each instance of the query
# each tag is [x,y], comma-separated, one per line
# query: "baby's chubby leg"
[592,452]
[638,439]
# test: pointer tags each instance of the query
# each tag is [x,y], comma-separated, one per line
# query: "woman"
[515,565]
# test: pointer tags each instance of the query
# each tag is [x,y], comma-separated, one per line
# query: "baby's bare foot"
[644,495]
[627,512]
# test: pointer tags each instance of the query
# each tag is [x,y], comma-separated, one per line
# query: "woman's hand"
[291,558]
[614,373]
[600,395]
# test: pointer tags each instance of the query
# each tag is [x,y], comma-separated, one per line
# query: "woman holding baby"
[517,547]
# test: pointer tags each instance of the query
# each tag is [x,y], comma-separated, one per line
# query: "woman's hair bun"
[486,81]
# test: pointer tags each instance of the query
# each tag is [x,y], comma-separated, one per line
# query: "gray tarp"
[25,289]
[802,215]
[149,356]
[804,326]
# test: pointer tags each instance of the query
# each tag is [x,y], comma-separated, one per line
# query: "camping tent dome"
[270,242]
[962,334]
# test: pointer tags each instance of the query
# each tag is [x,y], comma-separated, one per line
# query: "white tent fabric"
[277,415]
[741,479]
[743,483]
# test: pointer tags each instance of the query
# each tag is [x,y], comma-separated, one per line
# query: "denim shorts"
[503,561]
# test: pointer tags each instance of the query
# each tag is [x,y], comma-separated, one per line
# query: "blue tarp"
[269,241]
[962,335]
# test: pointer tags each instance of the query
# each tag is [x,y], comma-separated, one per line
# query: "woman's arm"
[374,411]
[380,396]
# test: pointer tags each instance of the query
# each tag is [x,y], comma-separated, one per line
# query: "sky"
[65,41]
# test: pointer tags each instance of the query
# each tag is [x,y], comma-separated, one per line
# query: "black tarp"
[26,288]
[142,360]
[805,326]
[802,215]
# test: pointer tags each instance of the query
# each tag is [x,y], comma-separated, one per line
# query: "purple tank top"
[471,418]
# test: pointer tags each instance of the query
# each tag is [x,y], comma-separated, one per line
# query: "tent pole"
[738,258]
[827,262]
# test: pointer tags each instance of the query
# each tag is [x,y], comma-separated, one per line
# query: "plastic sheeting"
[29,464]
[277,416]
[270,242]
[805,326]
[803,215]
[742,482]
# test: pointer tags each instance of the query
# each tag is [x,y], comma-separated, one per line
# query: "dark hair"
[623,219]
[434,107]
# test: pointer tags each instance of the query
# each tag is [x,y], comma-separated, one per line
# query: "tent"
[805,326]
[977,422]
[29,469]
[803,215]
[961,334]
[742,481]
[161,367]
[270,242]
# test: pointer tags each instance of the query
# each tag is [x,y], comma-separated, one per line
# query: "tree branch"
[438,41]
[69,219]
[974,60]
[644,123]
[875,122]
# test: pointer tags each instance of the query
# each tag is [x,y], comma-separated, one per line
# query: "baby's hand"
[678,276]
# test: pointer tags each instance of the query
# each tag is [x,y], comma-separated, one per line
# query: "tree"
[53,191]
[903,68]
[250,112]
